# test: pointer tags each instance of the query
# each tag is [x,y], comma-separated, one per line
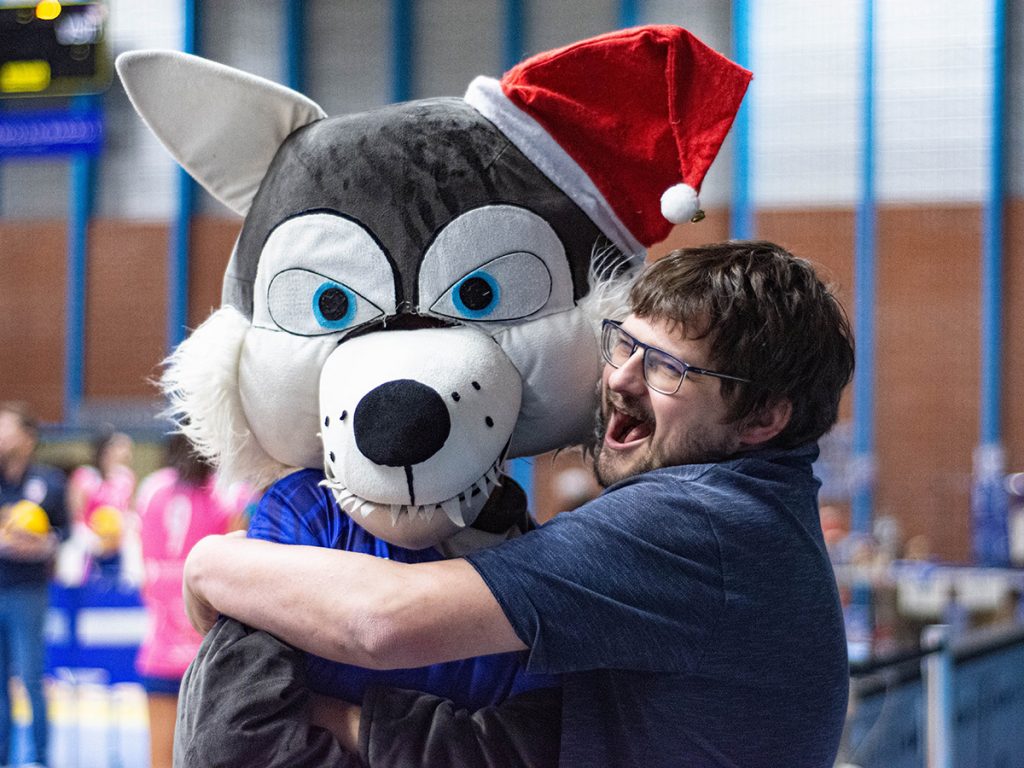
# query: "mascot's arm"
[413,729]
[388,615]
[244,702]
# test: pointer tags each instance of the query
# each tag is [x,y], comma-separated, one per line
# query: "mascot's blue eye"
[334,305]
[510,287]
[308,303]
[476,295]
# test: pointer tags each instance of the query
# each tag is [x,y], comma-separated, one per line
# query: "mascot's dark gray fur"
[410,301]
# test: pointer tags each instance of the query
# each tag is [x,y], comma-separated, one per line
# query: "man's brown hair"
[768,318]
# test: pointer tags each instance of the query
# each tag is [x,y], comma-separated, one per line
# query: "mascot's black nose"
[401,423]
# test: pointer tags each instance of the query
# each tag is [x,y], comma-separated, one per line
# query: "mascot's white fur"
[411,299]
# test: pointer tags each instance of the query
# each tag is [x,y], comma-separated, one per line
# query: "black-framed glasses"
[662,372]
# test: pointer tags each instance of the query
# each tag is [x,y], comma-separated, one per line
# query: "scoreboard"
[52,48]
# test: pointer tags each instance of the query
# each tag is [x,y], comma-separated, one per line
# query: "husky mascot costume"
[410,303]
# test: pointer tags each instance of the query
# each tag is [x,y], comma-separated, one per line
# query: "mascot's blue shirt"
[297,510]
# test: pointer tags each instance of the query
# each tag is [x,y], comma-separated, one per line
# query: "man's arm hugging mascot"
[409,304]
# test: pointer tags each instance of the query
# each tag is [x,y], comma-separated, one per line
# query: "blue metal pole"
[177,266]
[514,48]
[864,294]
[402,53]
[988,497]
[741,214]
[992,244]
[629,13]
[82,188]
[295,44]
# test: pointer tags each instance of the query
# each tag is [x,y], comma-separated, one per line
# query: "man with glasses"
[691,608]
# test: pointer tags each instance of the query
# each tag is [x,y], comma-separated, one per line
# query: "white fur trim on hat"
[679,203]
[486,97]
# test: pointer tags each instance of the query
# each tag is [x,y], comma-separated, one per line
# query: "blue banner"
[41,134]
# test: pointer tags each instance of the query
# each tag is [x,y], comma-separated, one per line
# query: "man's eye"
[667,367]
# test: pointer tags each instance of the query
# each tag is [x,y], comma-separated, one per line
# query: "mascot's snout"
[423,428]
[401,423]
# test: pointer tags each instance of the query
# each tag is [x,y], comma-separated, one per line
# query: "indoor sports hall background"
[882,139]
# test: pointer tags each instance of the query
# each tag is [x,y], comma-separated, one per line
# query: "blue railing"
[956,702]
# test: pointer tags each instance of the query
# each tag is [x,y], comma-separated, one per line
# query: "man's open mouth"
[625,427]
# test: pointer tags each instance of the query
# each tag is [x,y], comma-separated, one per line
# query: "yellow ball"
[28,517]
[106,521]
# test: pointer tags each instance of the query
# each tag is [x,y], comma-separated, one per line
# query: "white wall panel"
[554,23]
[933,83]
[136,178]
[933,90]
[348,54]
[710,21]
[34,189]
[805,102]
[247,35]
[455,42]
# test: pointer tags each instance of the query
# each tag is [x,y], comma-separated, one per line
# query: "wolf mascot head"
[406,303]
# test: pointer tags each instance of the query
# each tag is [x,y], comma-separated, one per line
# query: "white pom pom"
[679,203]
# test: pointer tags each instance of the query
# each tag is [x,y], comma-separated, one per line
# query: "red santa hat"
[626,124]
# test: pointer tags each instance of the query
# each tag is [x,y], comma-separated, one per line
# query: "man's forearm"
[350,607]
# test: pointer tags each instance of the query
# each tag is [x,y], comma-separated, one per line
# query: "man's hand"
[27,547]
[340,718]
[200,613]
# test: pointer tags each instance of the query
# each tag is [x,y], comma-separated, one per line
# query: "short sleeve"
[631,580]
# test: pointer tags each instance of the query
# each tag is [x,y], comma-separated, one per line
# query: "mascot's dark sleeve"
[245,702]
[414,297]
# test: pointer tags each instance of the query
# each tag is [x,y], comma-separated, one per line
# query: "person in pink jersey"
[177,506]
[100,502]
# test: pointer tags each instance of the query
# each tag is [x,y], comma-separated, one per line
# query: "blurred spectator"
[573,487]
[33,518]
[100,502]
[177,506]
[833,527]
[919,547]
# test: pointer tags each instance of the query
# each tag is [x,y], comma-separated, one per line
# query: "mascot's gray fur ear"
[222,125]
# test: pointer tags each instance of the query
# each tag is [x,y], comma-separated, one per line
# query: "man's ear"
[761,427]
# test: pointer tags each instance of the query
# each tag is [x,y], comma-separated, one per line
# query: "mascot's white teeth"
[455,507]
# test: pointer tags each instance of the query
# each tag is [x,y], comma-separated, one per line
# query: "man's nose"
[629,377]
